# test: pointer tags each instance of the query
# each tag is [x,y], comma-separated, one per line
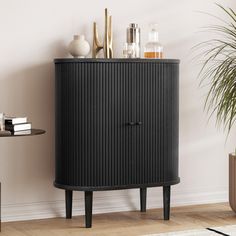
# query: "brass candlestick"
[107,43]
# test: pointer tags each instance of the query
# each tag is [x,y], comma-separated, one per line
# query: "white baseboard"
[104,202]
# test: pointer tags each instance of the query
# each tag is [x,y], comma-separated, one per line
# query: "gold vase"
[107,42]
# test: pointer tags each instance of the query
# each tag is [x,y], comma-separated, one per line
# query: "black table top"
[30,132]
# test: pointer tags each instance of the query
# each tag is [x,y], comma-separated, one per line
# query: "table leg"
[0,210]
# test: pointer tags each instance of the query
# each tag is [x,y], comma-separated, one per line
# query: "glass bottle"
[153,49]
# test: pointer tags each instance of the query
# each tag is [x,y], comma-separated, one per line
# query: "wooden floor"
[127,223]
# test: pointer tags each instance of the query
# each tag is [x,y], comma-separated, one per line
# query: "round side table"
[18,134]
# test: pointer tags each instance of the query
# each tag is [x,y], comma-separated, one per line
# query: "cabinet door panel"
[130,106]
[159,113]
[95,146]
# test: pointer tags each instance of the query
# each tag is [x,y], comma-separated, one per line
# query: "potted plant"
[219,71]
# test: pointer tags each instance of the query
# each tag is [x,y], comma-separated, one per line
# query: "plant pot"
[232,181]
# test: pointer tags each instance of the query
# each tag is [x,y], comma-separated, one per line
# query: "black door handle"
[131,123]
[134,123]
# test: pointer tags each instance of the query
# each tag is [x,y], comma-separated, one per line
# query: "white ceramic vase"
[79,47]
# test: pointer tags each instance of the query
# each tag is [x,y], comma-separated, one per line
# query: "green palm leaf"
[219,70]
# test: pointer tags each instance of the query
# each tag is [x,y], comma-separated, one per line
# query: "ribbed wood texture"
[116,124]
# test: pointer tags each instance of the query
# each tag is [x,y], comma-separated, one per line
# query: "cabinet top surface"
[120,60]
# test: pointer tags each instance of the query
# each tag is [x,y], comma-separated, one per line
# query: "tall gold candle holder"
[107,42]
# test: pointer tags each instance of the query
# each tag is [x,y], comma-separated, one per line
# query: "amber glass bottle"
[153,49]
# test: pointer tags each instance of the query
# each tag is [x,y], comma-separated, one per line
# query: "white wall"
[33,33]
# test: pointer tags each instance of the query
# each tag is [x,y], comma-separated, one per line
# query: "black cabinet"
[116,126]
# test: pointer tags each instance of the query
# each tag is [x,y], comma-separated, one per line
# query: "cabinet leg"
[143,199]
[69,198]
[166,202]
[88,208]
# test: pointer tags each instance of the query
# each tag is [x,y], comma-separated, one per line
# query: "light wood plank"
[127,223]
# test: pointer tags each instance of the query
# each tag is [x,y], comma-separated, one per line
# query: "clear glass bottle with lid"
[153,49]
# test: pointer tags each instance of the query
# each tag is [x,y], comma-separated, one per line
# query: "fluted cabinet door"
[153,97]
[116,123]
[157,149]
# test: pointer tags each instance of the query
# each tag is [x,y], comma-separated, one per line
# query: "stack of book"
[17,125]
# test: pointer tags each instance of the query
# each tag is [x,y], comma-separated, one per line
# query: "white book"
[18,127]
[15,120]
[22,132]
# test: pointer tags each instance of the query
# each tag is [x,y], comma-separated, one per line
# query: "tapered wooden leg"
[69,196]
[88,208]
[166,202]
[143,199]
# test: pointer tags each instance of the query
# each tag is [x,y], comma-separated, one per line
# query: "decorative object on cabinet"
[218,73]
[153,49]
[133,36]
[79,47]
[129,50]
[122,127]
[107,43]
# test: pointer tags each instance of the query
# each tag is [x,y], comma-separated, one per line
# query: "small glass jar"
[153,49]
[129,50]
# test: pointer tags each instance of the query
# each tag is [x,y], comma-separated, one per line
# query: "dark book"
[18,127]
[15,120]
